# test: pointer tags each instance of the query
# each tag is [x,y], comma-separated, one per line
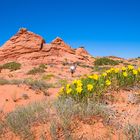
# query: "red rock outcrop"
[81,51]
[29,48]
[21,43]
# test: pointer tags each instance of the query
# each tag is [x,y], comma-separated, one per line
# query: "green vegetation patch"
[105,61]
[40,69]
[47,76]
[11,66]
[21,120]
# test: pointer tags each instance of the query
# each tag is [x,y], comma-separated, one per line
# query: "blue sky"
[104,27]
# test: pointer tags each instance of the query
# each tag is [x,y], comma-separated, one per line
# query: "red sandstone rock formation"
[81,51]
[30,48]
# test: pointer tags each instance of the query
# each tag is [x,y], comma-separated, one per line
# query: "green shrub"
[34,84]
[36,70]
[62,82]
[12,66]
[3,81]
[69,108]
[47,77]
[105,61]
[37,84]
[43,66]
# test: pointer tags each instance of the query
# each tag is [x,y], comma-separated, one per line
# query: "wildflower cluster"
[96,85]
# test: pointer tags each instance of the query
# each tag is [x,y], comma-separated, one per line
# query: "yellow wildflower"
[108,82]
[123,68]
[69,90]
[116,70]
[79,83]
[104,74]
[95,77]
[130,67]
[74,82]
[139,69]
[90,76]
[125,74]
[89,87]
[135,72]
[58,94]
[108,71]
[61,89]
[68,85]
[79,89]
[112,69]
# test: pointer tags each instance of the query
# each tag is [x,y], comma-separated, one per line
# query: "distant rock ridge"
[30,48]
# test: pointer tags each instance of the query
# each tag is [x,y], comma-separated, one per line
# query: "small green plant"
[40,69]
[47,77]
[37,84]
[105,61]
[43,66]
[11,66]
[3,81]
[62,82]
[36,71]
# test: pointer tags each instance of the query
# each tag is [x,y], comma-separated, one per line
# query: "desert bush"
[21,120]
[36,71]
[43,66]
[105,61]
[69,108]
[132,132]
[12,66]
[37,84]
[93,86]
[62,82]
[3,81]
[15,81]
[40,69]
[68,111]
[47,76]
[34,84]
